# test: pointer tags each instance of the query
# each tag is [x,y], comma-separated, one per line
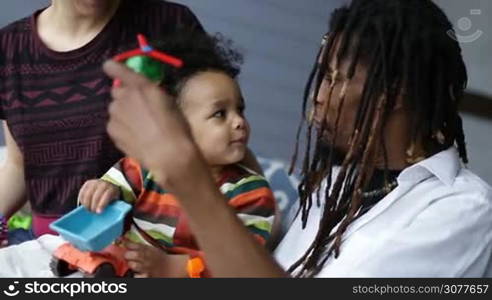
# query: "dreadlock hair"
[200,52]
[405,46]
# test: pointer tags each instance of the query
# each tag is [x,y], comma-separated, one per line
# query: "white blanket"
[29,259]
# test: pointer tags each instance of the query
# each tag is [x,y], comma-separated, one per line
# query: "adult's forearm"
[12,182]
[161,141]
[229,248]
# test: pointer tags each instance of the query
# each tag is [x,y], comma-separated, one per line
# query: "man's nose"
[322,95]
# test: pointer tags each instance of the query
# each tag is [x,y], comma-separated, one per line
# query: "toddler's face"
[213,105]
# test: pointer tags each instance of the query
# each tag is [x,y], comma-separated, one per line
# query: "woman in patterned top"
[54,96]
[210,99]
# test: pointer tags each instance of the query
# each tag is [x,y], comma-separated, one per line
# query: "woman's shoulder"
[156,18]
[15,28]
[13,37]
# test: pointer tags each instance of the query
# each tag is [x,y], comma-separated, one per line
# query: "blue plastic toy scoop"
[89,231]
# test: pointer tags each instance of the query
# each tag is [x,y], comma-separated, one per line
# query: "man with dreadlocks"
[383,190]
[386,89]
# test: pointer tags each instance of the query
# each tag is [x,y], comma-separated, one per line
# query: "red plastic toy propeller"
[146,50]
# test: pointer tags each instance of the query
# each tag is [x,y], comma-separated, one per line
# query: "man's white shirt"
[436,223]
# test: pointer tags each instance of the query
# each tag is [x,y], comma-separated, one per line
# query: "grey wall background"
[279,39]
[476,52]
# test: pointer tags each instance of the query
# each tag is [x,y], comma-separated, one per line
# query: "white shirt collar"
[445,165]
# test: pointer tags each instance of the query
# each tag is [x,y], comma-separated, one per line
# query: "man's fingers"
[127,77]
[119,92]
[117,131]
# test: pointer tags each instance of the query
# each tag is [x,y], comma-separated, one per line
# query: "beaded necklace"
[381,191]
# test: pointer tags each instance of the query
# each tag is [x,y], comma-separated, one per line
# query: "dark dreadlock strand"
[333,211]
[311,181]
[408,59]
[307,92]
[366,166]
[396,39]
[314,178]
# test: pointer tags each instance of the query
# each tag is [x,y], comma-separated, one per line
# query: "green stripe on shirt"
[246,187]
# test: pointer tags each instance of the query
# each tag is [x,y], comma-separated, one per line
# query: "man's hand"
[147,125]
[96,194]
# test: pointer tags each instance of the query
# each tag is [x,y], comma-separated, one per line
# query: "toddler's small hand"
[96,194]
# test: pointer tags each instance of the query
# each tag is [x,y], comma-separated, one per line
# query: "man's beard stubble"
[326,148]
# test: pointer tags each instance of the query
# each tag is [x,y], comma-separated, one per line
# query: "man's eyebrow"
[340,75]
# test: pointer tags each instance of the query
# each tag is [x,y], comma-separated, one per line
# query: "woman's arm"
[12,183]
[146,125]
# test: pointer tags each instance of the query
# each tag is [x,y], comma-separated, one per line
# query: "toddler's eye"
[241,109]
[219,114]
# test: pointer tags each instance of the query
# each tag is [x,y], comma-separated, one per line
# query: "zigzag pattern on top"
[65,152]
[56,95]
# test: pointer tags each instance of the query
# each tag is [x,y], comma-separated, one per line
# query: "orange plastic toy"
[109,262]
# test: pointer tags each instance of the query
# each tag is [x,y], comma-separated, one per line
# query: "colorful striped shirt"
[159,214]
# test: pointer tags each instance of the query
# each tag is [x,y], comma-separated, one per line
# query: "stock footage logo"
[11,290]
[465,24]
